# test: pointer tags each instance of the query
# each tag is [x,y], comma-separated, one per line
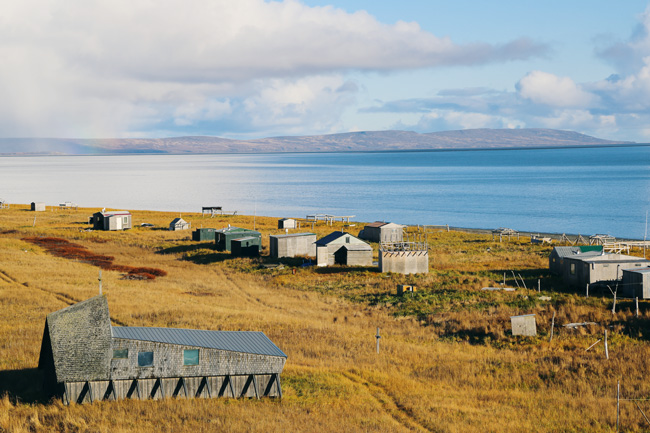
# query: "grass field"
[447,363]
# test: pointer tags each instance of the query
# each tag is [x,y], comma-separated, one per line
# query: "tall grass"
[447,360]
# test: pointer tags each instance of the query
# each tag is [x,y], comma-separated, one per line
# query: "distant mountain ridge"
[343,142]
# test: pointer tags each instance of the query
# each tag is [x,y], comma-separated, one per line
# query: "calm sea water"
[585,190]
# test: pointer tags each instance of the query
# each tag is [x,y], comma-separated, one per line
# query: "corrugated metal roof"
[292,235]
[234,341]
[577,252]
[639,270]
[376,224]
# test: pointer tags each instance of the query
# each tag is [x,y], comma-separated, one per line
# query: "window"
[573,269]
[120,353]
[126,220]
[191,357]
[145,359]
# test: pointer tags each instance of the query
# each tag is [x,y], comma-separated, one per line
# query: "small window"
[637,264]
[120,353]
[573,269]
[191,357]
[126,220]
[606,266]
[145,359]
[347,239]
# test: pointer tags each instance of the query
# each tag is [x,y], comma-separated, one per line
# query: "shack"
[223,237]
[557,256]
[404,257]
[287,223]
[601,269]
[203,234]
[38,206]
[84,358]
[382,232]
[524,325]
[248,246]
[343,249]
[179,224]
[292,245]
[636,283]
[113,220]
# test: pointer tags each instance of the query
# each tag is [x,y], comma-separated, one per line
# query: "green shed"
[224,237]
[249,246]
[203,234]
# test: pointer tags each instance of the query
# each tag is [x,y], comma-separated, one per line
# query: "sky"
[250,68]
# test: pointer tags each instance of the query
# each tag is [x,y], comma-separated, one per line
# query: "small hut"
[292,245]
[223,237]
[636,283]
[246,247]
[203,234]
[382,232]
[179,224]
[112,220]
[38,206]
[287,223]
[344,249]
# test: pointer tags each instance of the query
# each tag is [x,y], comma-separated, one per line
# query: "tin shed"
[292,245]
[203,234]
[223,237]
[84,358]
[287,223]
[343,248]
[179,224]
[382,232]
[636,283]
[112,220]
[557,256]
[249,246]
[38,206]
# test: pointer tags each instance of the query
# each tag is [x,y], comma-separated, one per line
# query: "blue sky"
[251,68]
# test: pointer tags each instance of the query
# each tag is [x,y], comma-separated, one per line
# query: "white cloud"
[544,88]
[105,68]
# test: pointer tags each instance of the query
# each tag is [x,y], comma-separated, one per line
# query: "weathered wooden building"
[636,283]
[203,234]
[557,256]
[382,232]
[343,249]
[179,224]
[223,237]
[604,268]
[292,245]
[287,223]
[37,206]
[404,257]
[85,359]
[112,220]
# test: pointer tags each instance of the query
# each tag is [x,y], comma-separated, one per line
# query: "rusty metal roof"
[233,341]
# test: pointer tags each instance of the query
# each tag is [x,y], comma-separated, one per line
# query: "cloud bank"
[120,68]
[617,106]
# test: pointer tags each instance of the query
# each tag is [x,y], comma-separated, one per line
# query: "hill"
[345,142]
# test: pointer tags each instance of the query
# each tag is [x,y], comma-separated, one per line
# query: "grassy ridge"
[447,363]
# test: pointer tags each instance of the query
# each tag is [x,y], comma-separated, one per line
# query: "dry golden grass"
[447,364]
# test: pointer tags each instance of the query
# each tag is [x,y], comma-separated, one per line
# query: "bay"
[570,190]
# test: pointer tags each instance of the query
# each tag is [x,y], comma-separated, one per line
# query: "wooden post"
[515,277]
[34,224]
[504,278]
[614,305]
[606,347]
[378,337]
[552,326]
[618,399]
[636,301]
[587,295]
[539,285]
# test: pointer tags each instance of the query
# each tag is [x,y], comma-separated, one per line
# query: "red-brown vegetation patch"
[63,248]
